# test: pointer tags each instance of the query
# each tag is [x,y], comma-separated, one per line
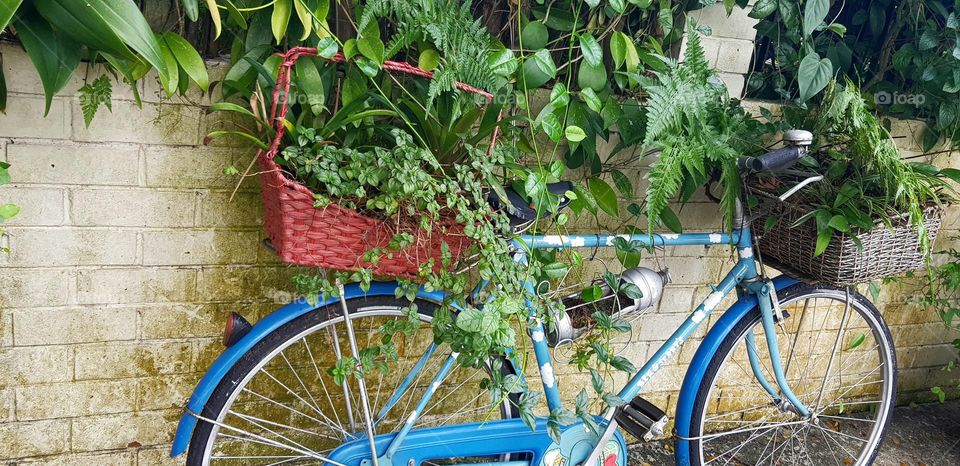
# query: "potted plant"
[873,215]
[369,169]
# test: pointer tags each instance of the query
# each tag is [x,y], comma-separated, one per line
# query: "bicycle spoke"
[284,411]
[326,420]
[260,439]
[322,383]
[306,390]
[276,434]
[832,451]
[754,434]
[739,420]
[254,420]
[246,458]
[836,344]
[842,418]
[851,388]
[296,411]
[825,432]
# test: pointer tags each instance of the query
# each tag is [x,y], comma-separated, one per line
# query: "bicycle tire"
[794,294]
[239,374]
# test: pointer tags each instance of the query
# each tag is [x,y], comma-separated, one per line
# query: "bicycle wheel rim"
[830,426]
[334,320]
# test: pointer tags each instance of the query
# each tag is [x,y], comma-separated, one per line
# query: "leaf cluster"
[867,183]
[699,132]
[57,34]
[7,210]
[906,54]
[446,37]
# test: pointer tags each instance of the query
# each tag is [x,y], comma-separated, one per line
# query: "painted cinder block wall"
[129,253]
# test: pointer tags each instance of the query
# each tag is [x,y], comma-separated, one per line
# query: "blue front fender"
[698,367]
[264,327]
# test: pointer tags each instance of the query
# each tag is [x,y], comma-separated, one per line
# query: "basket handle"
[278,110]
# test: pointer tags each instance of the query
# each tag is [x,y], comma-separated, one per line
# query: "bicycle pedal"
[642,419]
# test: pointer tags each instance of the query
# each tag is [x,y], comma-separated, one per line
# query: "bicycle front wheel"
[838,358]
[280,405]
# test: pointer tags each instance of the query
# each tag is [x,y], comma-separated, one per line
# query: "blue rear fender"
[698,366]
[218,370]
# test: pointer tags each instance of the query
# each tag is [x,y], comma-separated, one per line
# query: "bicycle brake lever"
[799,186]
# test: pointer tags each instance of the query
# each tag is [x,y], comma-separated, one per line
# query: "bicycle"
[823,385]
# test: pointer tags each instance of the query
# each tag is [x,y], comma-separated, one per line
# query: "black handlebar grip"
[771,161]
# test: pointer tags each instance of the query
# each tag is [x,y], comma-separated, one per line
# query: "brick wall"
[126,257]
[128,254]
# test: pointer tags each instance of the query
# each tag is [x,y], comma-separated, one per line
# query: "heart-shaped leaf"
[8,211]
[502,62]
[592,99]
[544,62]
[327,47]
[369,43]
[429,60]
[814,12]
[813,75]
[605,197]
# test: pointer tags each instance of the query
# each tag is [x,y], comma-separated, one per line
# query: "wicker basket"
[885,251]
[335,237]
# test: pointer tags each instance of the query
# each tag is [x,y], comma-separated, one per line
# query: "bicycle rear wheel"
[838,358]
[279,404]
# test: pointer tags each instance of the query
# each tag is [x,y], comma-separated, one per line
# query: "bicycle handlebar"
[777,160]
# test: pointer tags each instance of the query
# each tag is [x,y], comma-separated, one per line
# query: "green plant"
[699,132]
[57,34]
[866,179]
[905,52]
[452,43]
[401,150]
[944,292]
[7,211]
[939,291]
[400,183]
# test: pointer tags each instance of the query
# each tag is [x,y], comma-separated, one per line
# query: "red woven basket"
[335,237]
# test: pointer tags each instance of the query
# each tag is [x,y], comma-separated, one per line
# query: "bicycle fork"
[766,296]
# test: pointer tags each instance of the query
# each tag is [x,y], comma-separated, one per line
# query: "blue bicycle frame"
[410,444]
[744,272]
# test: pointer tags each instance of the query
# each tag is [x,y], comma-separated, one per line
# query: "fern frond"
[450,28]
[695,58]
[93,95]
[730,179]
[689,120]
[665,177]
[444,80]
[374,9]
